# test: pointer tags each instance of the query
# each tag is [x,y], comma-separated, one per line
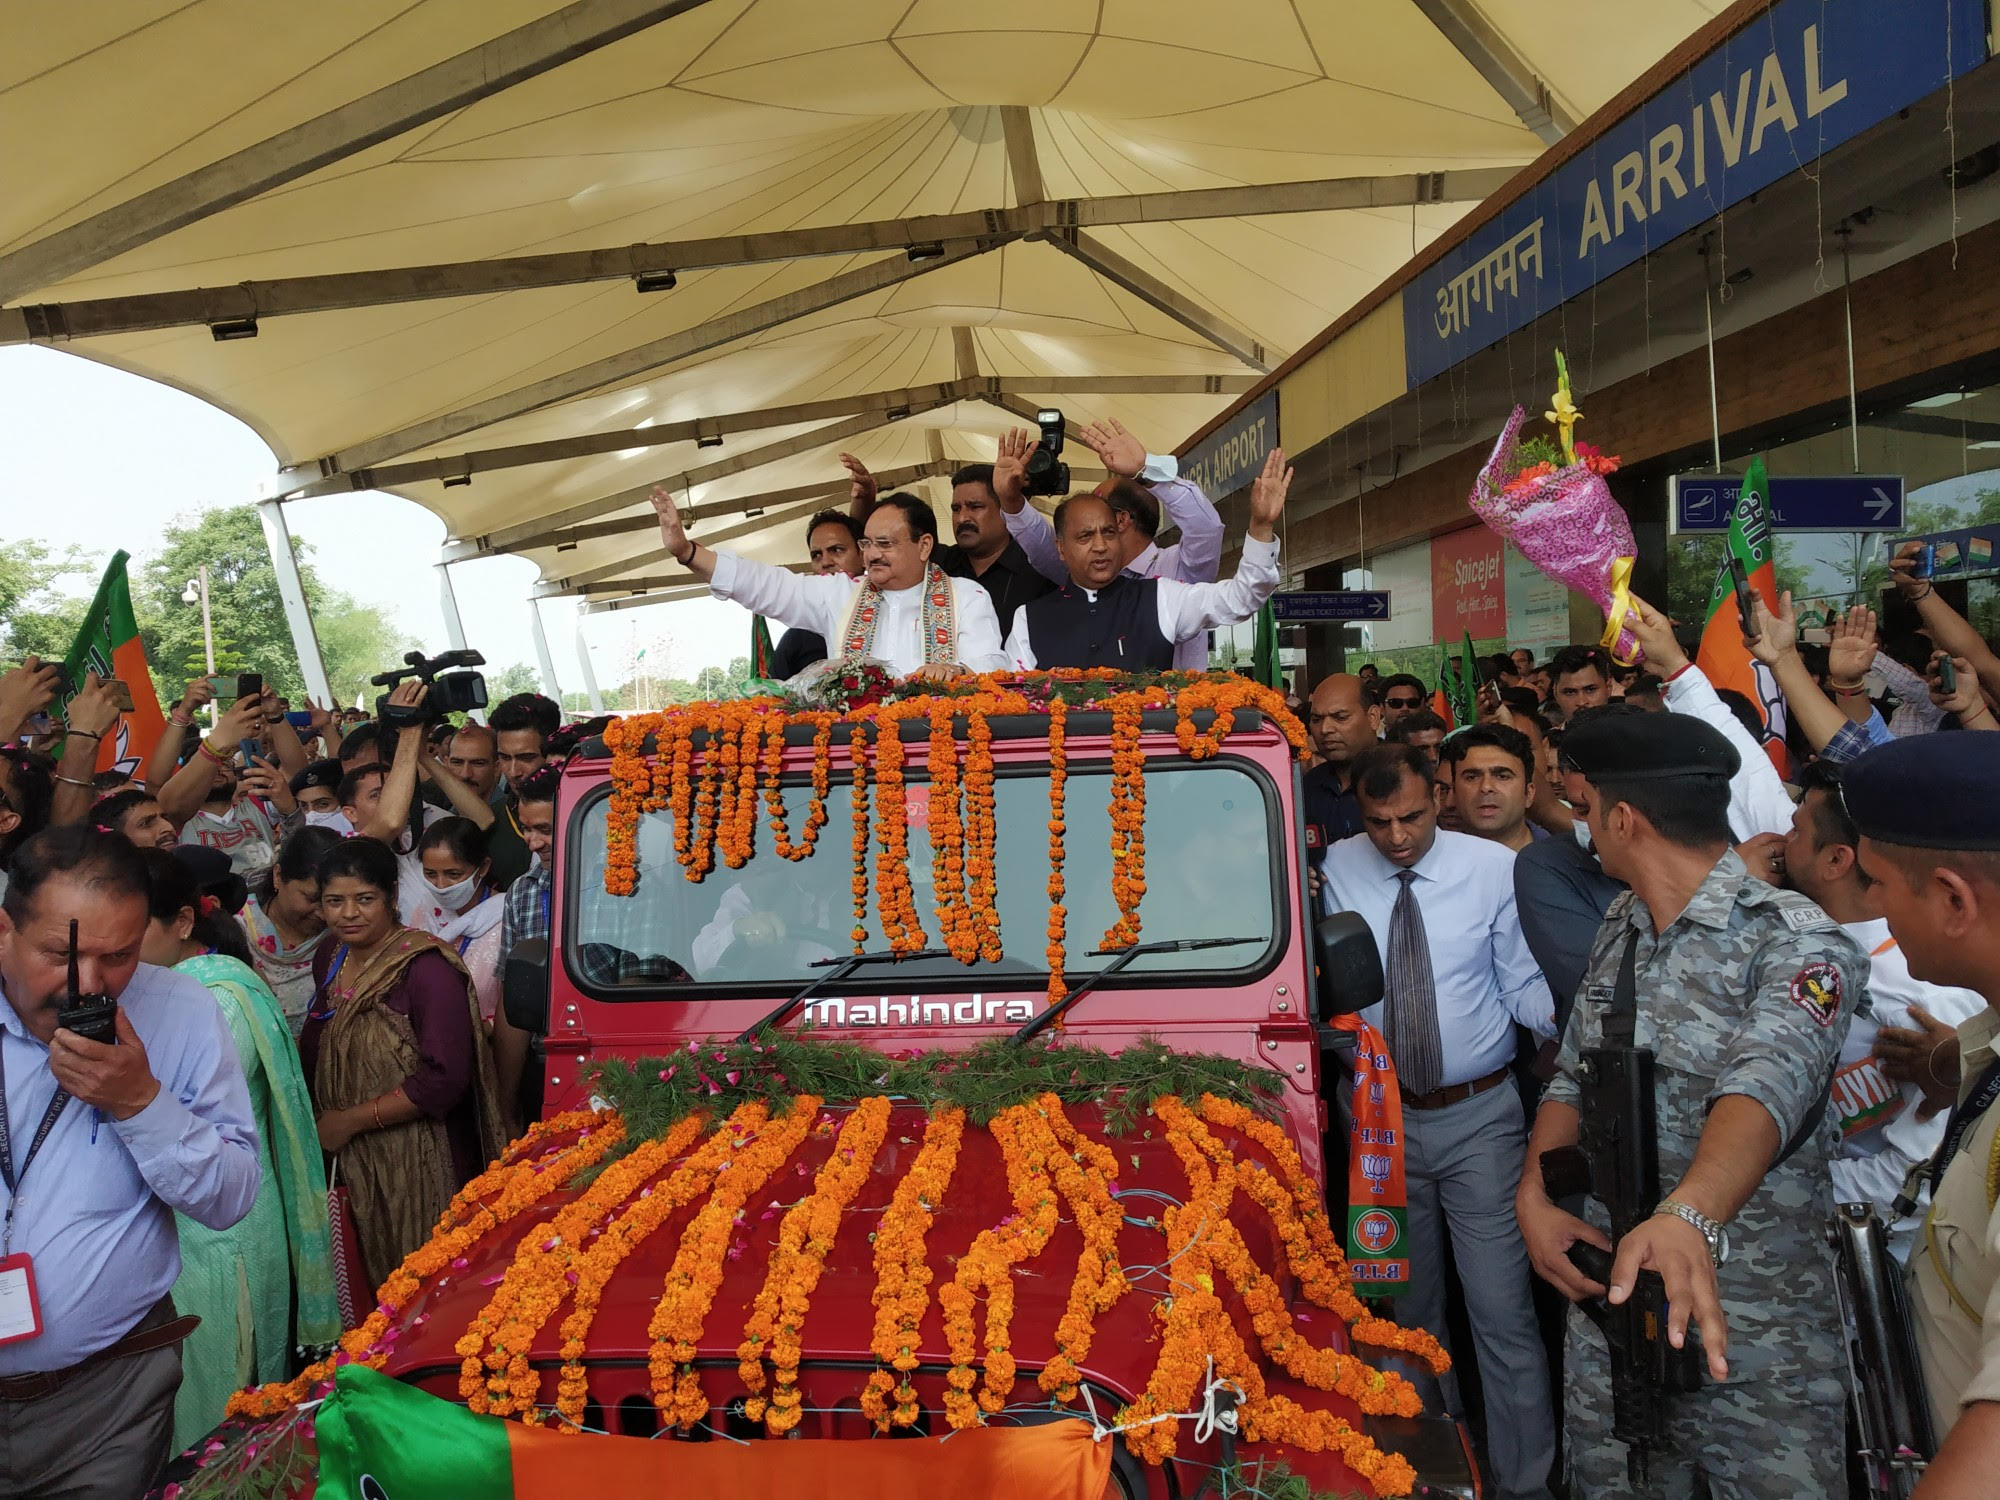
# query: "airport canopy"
[518,261]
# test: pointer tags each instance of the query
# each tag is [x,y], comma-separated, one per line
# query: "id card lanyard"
[8,1174]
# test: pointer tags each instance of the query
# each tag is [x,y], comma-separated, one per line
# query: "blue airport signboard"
[1331,604]
[1799,502]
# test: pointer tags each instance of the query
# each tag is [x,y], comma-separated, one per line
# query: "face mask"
[336,820]
[455,898]
[1582,831]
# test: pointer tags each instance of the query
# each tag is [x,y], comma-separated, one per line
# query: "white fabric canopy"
[179,144]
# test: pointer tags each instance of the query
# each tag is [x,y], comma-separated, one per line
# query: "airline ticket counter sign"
[1800,78]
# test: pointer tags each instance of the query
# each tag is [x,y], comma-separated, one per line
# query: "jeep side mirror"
[1350,965]
[524,986]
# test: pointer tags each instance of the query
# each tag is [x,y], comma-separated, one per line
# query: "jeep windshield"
[1213,869]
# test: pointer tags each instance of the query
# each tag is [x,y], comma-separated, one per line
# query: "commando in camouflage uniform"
[1749,992]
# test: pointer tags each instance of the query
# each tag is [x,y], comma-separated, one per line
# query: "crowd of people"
[305,928]
[1598,817]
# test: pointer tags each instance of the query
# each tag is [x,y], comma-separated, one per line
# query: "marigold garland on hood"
[713,798]
[681,1151]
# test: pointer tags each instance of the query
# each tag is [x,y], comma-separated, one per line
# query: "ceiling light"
[1737,278]
[709,442]
[934,250]
[655,281]
[753,512]
[896,413]
[453,481]
[233,328]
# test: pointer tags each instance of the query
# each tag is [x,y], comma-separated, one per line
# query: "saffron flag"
[760,648]
[1378,1223]
[378,1437]
[108,644]
[1441,699]
[1465,701]
[1723,658]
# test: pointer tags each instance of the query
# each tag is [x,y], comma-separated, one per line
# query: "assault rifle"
[1892,1409]
[1617,1161]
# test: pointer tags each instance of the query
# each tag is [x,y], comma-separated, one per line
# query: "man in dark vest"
[1103,617]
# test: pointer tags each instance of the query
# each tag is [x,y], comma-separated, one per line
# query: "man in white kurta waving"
[903,611]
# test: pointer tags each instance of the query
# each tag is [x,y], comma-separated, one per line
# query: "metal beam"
[303,481]
[201,306]
[674,586]
[876,276]
[1022,160]
[546,662]
[1480,43]
[1149,289]
[292,594]
[583,582]
[606,606]
[472,75]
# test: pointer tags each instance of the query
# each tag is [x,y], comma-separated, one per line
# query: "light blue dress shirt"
[1486,977]
[96,1210]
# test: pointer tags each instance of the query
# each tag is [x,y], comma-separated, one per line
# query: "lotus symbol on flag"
[1375,1167]
[1376,1231]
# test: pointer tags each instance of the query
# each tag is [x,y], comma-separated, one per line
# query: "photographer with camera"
[1142,486]
[904,612]
[123,1103]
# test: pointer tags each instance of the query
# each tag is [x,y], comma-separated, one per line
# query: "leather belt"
[142,1340]
[1455,1093]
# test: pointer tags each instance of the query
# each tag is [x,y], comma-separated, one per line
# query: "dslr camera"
[1047,474]
[454,688]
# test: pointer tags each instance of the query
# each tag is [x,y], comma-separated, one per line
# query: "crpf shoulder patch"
[1816,991]
[1805,916]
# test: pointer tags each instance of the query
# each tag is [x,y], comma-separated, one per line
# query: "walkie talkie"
[93,1017]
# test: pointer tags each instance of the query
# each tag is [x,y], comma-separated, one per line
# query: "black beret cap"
[1647,747]
[326,773]
[1929,791]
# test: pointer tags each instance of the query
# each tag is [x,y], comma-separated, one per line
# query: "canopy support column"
[291,591]
[547,662]
[589,672]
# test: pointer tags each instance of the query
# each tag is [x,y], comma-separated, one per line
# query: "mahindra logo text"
[834,1010]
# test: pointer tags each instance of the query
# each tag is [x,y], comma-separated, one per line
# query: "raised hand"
[1655,634]
[94,710]
[1964,697]
[1903,570]
[264,779]
[198,695]
[1122,454]
[1851,646]
[861,488]
[673,536]
[1777,634]
[1267,494]
[26,691]
[242,720]
[1010,467]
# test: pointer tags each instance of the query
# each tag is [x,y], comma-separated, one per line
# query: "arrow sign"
[1338,604]
[1799,502]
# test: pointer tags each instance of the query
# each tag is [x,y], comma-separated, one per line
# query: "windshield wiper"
[837,969]
[1138,950]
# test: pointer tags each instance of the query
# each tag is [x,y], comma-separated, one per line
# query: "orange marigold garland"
[774,795]
[496,1375]
[805,1239]
[857,750]
[903,1274]
[1058,913]
[517,1182]
[642,1217]
[1128,819]
[696,1274]
[982,876]
[1025,1144]
[1085,1174]
[893,900]
[948,838]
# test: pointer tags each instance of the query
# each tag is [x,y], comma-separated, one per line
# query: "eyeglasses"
[882,544]
[1402,703]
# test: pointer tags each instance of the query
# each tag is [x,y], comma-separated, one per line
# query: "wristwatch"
[1716,1233]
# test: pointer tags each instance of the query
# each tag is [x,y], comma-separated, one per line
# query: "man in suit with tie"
[1441,906]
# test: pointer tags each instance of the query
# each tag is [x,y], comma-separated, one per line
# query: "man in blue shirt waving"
[101,1143]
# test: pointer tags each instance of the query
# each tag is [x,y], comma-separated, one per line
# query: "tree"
[250,630]
[43,596]
[1693,562]
[517,679]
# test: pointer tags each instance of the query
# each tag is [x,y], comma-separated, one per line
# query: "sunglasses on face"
[1403,702]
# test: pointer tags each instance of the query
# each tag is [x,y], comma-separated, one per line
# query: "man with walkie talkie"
[121,1103]
[1688,1104]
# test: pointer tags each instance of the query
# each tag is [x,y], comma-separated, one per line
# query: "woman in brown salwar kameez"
[402,1078]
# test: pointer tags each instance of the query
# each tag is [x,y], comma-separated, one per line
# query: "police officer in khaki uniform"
[1743,994]
[1930,839]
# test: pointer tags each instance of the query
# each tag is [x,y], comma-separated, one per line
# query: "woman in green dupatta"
[245,1281]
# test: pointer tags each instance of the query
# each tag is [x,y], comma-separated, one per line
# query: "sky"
[105,459]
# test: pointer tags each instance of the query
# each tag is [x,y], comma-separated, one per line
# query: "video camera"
[1046,473]
[451,692]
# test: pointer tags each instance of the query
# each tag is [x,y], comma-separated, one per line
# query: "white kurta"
[821,604]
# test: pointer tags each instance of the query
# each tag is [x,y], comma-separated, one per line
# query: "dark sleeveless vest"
[1119,628]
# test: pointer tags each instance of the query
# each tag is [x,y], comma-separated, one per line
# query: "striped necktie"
[1410,1016]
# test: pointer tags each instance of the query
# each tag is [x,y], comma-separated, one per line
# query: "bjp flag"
[108,644]
[379,1439]
[1723,658]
